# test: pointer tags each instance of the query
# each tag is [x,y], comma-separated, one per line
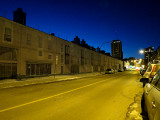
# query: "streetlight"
[103,44]
[142,52]
[100,50]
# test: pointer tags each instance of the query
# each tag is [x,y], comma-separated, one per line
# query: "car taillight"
[154,68]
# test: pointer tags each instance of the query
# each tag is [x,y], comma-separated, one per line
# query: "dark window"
[8,53]
[61,47]
[61,58]
[40,53]
[155,79]
[82,57]
[28,42]
[50,47]
[38,69]
[7,35]
[8,70]
[28,69]
[157,76]
[91,58]
[40,42]
[49,56]
[66,54]
[33,72]
[85,60]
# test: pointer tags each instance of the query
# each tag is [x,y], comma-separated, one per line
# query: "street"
[104,97]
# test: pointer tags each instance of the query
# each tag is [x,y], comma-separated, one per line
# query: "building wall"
[37,53]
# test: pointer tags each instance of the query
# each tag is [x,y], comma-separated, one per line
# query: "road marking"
[3,110]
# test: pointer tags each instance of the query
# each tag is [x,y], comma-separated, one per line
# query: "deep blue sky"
[135,22]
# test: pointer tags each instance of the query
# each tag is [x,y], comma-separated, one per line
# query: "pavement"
[10,83]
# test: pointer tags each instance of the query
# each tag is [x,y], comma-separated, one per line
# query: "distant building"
[19,16]
[116,49]
[148,55]
[157,55]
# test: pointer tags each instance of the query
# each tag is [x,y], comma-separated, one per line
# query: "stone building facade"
[25,51]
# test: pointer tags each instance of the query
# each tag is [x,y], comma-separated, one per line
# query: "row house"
[25,52]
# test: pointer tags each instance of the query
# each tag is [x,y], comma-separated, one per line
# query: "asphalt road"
[105,97]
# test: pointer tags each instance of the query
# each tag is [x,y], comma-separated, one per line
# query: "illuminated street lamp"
[142,52]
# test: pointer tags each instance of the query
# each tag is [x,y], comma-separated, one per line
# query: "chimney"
[19,16]
[52,34]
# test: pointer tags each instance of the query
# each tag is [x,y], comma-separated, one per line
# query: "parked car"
[109,71]
[120,70]
[151,98]
[151,71]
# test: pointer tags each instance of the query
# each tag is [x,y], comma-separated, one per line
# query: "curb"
[44,82]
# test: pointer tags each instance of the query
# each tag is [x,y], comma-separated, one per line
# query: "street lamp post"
[103,44]
[100,50]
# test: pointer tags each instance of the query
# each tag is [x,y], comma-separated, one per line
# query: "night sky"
[135,22]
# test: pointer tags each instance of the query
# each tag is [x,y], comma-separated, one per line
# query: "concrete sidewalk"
[9,83]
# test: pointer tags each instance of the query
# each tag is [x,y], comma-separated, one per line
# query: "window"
[85,60]
[91,58]
[155,79]
[49,56]
[61,47]
[82,57]
[66,54]
[66,59]
[61,58]
[8,53]
[38,69]
[72,60]
[158,83]
[50,45]
[78,61]
[40,42]
[28,42]
[7,35]
[40,53]
[8,70]
[66,49]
